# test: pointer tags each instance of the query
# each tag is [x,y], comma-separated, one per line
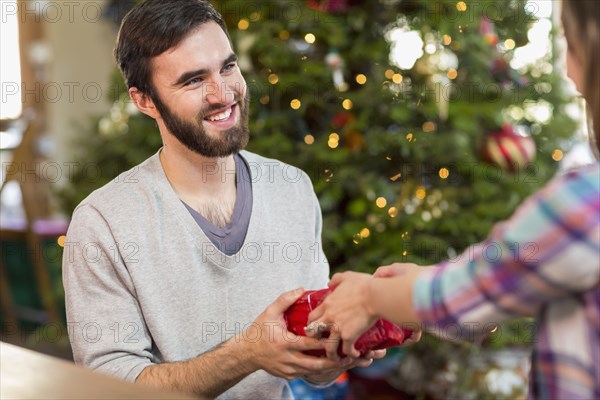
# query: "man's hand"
[278,351]
[327,377]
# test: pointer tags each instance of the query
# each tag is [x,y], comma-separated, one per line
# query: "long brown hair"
[581,21]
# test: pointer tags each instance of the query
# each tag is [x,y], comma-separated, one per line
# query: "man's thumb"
[285,300]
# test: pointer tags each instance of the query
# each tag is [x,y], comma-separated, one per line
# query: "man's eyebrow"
[232,58]
[186,76]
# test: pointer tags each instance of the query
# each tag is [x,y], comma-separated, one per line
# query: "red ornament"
[509,150]
[382,335]
[330,6]
[342,119]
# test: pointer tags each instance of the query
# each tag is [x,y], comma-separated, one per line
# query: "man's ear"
[144,103]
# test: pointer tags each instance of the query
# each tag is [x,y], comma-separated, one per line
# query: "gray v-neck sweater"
[143,283]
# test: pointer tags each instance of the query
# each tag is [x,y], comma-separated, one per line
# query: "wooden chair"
[34,190]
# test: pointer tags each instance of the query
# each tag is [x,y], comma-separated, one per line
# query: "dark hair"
[581,21]
[153,27]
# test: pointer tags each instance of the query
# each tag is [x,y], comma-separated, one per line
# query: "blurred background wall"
[56,75]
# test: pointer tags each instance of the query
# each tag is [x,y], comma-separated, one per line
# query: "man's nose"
[217,91]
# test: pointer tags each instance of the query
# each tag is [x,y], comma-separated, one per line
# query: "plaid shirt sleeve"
[547,254]
[549,249]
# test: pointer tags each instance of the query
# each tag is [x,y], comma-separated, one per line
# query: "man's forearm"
[209,374]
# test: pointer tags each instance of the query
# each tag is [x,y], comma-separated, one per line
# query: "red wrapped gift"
[382,335]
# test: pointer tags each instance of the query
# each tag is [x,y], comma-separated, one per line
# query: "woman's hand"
[397,269]
[351,309]
[346,312]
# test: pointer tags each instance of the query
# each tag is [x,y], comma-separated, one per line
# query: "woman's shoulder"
[585,177]
[583,172]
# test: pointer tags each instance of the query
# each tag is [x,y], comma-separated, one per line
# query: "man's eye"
[229,67]
[194,81]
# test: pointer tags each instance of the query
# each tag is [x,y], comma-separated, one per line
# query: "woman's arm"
[549,249]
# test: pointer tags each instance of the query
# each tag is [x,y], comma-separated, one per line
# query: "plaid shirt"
[543,262]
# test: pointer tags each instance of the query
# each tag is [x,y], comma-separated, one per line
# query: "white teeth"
[220,117]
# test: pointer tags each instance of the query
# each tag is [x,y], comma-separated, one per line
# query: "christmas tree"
[413,118]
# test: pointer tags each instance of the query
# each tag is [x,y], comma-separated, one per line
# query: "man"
[170,271]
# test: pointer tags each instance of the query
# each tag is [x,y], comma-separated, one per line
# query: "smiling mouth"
[221,115]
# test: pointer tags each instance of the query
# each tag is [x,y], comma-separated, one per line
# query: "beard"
[193,135]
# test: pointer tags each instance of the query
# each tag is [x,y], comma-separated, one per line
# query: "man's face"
[201,94]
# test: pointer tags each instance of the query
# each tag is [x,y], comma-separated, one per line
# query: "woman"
[549,265]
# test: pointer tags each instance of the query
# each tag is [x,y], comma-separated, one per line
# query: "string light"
[393,212]
[265,100]
[452,74]
[273,79]
[395,177]
[409,137]
[461,6]
[429,126]
[444,173]
[397,78]
[347,104]
[243,24]
[329,174]
[361,79]
[310,38]
[309,139]
[389,74]
[430,48]
[61,240]
[284,35]
[509,44]
[421,193]
[334,140]
[381,202]
[447,40]
[365,233]
[295,104]
[557,155]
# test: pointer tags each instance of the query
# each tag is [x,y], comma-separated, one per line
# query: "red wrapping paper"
[382,335]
